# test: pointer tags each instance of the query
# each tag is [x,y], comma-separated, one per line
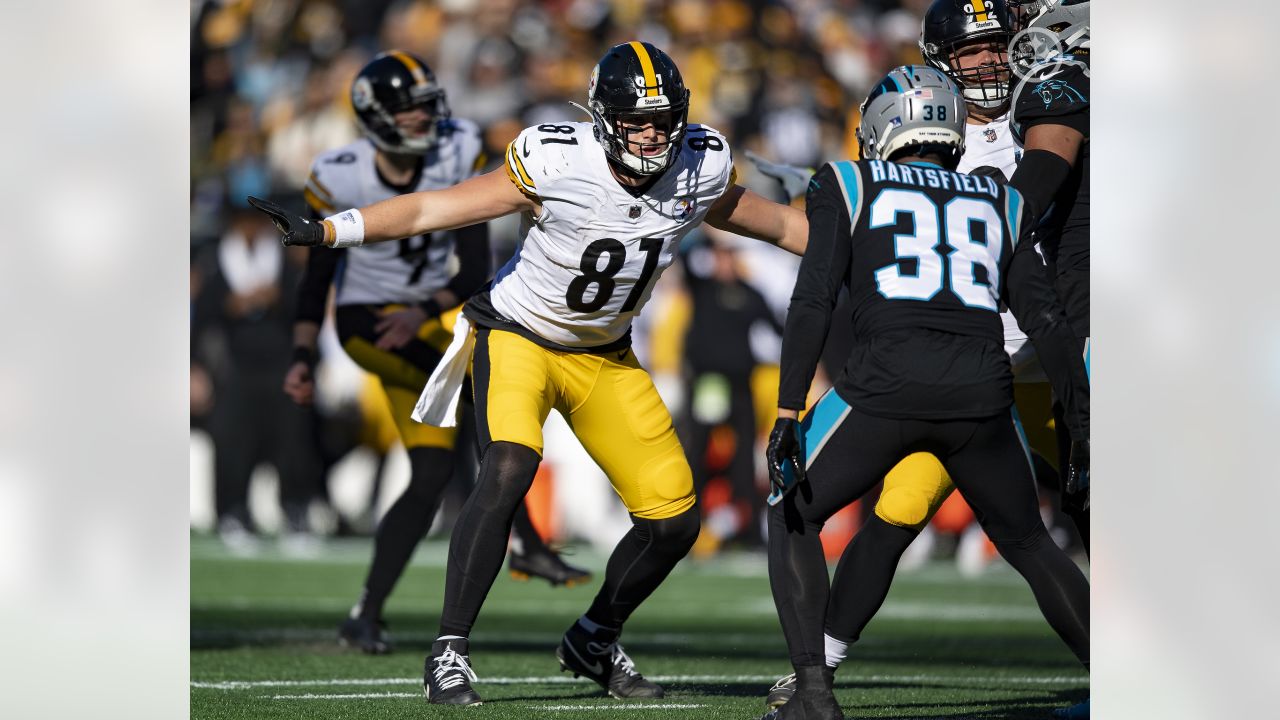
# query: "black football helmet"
[952,24]
[637,83]
[395,82]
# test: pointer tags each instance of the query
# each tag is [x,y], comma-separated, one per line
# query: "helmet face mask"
[399,106]
[968,40]
[640,108]
[914,108]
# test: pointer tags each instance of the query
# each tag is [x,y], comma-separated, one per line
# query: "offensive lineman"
[389,302]
[928,371]
[603,208]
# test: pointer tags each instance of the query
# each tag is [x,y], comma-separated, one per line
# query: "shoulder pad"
[710,154]
[332,174]
[541,154]
[1054,92]
[470,142]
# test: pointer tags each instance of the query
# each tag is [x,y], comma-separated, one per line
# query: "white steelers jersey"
[993,145]
[588,262]
[410,270]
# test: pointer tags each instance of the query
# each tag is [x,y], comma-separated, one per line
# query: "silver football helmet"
[1047,30]
[913,105]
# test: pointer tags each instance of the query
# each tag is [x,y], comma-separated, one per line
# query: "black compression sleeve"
[313,288]
[1031,297]
[822,273]
[1038,177]
[474,261]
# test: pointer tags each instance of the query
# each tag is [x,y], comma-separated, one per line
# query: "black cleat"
[368,635]
[781,691]
[447,676]
[811,697]
[546,564]
[604,662]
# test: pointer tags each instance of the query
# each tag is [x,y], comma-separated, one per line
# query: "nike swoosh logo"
[526,147]
[597,667]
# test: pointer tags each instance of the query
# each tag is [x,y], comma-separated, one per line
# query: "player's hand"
[795,180]
[1076,487]
[785,444]
[397,327]
[990,171]
[296,229]
[299,383]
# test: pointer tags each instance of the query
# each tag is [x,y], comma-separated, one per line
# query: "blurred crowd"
[270,86]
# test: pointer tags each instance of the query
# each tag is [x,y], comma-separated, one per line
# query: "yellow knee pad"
[913,491]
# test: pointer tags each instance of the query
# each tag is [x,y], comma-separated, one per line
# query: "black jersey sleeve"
[823,270]
[474,260]
[1057,95]
[313,287]
[1030,296]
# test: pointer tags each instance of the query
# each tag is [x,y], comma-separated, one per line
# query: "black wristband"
[431,308]
[306,355]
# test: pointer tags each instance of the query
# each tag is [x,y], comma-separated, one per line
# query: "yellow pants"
[401,373]
[610,403]
[918,485]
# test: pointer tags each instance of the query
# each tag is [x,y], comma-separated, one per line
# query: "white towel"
[438,404]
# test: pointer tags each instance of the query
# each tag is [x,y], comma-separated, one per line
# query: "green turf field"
[263,644]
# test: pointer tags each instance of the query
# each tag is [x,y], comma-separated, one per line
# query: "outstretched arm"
[743,212]
[477,200]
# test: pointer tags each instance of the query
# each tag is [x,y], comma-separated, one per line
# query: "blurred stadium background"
[270,86]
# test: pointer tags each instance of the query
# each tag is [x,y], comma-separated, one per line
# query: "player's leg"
[847,452]
[616,412]
[406,522]
[991,467]
[513,391]
[742,467]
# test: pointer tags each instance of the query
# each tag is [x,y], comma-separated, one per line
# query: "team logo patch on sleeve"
[1057,90]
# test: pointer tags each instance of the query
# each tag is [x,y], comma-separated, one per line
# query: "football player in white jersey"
[968,41]
[603,205]
[390,299]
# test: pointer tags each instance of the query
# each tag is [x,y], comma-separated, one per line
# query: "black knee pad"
[673,535]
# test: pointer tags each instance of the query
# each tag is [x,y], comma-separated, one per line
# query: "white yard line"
[565,680]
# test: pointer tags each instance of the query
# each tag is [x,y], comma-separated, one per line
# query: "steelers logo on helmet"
[399,105]
[969,40]
[640,107]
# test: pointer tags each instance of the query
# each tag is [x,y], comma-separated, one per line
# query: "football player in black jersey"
[1050,117]
[928,371]
[389,304]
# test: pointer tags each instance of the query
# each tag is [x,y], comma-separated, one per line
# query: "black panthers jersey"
[1057,92]
[928,257]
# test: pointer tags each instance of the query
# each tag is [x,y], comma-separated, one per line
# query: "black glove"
[991,172]
[785,443]
[297,230]
[1075,491]
[794,180]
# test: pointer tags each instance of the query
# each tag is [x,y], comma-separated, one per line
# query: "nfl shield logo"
[989,134]
[635,212]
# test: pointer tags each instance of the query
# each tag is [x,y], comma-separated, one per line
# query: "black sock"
[641,561]
[404,525]
[864,575]
[479,542]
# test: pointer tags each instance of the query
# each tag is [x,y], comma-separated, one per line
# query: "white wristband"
[348,227]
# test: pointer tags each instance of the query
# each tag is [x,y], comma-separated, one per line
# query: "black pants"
[849,452]
[741,471]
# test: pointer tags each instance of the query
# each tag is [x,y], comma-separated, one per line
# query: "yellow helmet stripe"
[646,65]
[419,75]
[979,11]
